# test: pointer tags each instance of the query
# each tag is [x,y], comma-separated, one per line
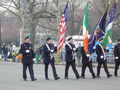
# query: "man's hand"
[27,51]
[101,56]
[88,55]
[116,57]
[51,51]
[74,49]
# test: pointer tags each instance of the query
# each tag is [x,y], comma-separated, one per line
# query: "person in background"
[117,58]
[13,55]
[16,58]
[62,55]
[78,55]
[5,53]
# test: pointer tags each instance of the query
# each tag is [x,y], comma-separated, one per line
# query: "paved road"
[11,79]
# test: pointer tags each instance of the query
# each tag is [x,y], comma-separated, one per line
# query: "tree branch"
[8,6]
[12,12]
[47,27]
[41,14]
[17,5]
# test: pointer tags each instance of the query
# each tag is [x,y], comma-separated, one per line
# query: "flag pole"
[104,12]
[103,16]
[66,32]
[100,20]
[65,25]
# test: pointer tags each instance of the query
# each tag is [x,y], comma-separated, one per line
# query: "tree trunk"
[32,33]
[21,28]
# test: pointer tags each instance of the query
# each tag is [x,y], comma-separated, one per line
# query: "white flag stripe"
[109,26]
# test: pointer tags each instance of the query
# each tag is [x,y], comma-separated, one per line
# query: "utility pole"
[0,37]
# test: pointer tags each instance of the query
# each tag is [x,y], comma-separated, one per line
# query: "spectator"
[16,59]
[5,53]
[13,55]
[78,55]
[62,55]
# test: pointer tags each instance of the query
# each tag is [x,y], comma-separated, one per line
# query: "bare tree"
[28,13]
[46,14]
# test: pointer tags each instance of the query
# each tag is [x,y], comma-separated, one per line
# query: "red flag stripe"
[62,32]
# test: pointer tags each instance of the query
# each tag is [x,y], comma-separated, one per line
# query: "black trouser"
[89,65]
[53,68]
[73,67]
[117,64]
[104,66]
[30,67]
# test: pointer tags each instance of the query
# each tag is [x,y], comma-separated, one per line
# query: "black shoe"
[34,79]
[57,78]
[109,76]
[93,77]
[25,79]
[83,77]
[98,77]
[78,77]
[47,78]
[116,75]
[66,78]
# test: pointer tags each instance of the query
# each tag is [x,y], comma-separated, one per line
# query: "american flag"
[62,27]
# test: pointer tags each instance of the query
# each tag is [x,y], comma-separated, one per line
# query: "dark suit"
[101,52]
[27,59]
[117,58]
[86,62]
[48,58]
[70,59]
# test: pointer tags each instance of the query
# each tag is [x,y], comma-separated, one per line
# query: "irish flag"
[85,29]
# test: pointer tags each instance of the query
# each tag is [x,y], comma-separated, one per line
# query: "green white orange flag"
[85,29]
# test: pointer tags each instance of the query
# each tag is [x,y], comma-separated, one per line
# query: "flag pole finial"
[109,2]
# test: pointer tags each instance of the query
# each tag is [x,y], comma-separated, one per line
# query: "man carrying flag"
[86,60]
[62,28]
[99,32]
[107,39]
[100,51]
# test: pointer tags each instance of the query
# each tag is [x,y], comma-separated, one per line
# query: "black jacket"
[69,57]
[5,50]
[117,52]
[100,53]
[27,57]
[85,59]
[47,54]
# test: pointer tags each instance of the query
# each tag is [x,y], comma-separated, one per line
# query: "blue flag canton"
[99,32]
[102,26]
[92,41]
[112,14]
[65,13]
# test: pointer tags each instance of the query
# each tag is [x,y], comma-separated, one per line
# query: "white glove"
[101,57]
[0,56]
[116,57]
[88,55]
[74,49]
[55,45]
[8,53]
[27,51]
[51,51]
